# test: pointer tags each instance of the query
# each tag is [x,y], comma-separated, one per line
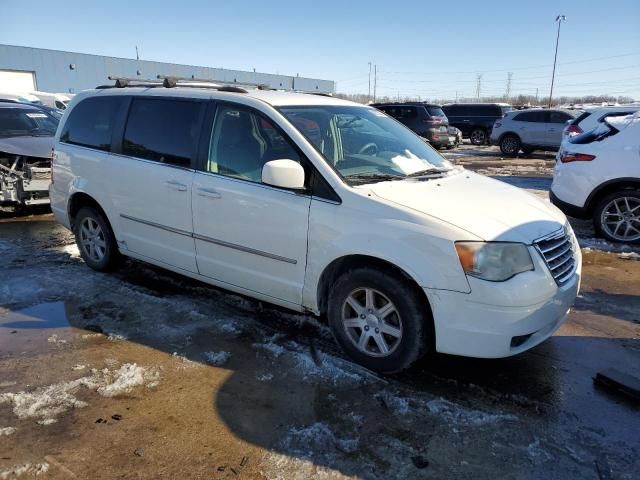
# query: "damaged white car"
[26,140]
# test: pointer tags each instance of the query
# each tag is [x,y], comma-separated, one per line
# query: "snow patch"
[217,358]
[629,256]
[459,415]
[55,339]
[184,361]
[398,405]
[78,367]
[316,439]
[265,377]
[6,431]
[24,469]
[46,403]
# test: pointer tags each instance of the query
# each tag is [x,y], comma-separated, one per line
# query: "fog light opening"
[520,340]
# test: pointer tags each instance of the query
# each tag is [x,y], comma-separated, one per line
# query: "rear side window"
[435,112]
[559,117]
[91,122]
[537,116]
[580,118]
[162,130]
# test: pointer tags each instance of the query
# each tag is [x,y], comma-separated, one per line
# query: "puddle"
[34,329]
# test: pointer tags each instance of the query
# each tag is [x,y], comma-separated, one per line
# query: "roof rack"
[172,82]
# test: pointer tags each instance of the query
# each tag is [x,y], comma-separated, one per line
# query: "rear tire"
[95,240]
[617,216]
[510,145]
[478,136]
[370,311]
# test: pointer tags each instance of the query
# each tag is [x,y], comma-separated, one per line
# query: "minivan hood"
[487,208]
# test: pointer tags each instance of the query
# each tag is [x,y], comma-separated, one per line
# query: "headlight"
[494,261]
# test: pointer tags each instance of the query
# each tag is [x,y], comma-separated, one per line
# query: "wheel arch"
[79,200]
[608,187]
[349,262]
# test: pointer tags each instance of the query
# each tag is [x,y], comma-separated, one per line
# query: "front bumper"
[501,319]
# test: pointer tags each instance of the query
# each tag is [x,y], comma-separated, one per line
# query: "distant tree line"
[513,100]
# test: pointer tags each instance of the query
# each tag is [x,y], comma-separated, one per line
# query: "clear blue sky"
[426,48]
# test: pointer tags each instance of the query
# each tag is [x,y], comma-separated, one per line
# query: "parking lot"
[147,374]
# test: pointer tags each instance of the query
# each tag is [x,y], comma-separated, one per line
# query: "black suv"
[427,120]
[475,119]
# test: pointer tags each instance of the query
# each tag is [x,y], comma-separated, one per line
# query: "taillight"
[573,130]
[576,157]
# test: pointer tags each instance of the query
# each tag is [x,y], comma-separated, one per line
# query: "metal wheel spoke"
[353,303]
[100,243]
[363,340]
[354,323]
[369,299]
[84,231]
[381,343]
[385,311]
[390,330]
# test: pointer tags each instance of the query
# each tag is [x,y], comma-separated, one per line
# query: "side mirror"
[283,174]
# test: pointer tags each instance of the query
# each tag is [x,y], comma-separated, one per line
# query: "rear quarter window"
[163,130]
[91,122]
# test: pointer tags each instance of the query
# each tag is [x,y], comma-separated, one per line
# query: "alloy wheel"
[478,137]
[372,322]
[92,239]
[620,219]
[510,146]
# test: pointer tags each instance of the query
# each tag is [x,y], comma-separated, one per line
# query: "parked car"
[26,141]
[589,118]
[53,100]
[54,112]
[455,137]
[529,130]
[318,205]
[427,120]
[20,98]
[475,120]
[597,176]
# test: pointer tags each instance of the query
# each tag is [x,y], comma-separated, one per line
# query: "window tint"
[535,116]
[242,141]
[559,117]
[90,123]
[435,111]
[162,130]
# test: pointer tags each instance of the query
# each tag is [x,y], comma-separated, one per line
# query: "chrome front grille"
[558,252]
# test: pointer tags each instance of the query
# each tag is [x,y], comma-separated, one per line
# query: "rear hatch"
[437,121]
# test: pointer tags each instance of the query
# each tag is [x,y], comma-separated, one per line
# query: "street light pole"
[369,94]
[559,19]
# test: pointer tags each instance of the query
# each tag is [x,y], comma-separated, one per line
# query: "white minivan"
[318,205]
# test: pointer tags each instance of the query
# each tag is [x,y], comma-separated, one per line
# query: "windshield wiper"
[427,171]
[374,177]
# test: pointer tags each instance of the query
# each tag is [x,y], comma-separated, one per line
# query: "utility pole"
[369,94]
[509,76]
[559,19]
[536,95]
[478,85]
[137,56]
[375,81]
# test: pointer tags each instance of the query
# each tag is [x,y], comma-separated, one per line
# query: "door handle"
[173,185]
[209,193]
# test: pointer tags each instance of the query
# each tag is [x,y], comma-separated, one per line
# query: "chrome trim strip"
[204,238]
[241,248]
[158,225]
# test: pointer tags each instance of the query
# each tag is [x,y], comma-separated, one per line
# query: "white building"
[25,69]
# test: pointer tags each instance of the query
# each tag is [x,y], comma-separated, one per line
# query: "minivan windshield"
[365,145]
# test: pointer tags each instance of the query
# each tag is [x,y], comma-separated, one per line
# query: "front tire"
[510,145]
[379,320]
[478,136]
[95,240]
[617,216]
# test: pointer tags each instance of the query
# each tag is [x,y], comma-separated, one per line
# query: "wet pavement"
[146,374]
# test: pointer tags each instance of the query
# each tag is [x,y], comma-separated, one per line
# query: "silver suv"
[529,130]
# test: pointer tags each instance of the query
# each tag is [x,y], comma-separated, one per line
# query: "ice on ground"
[398,405]
[316,439]
[629,256]
[328,367]
[127,377]
[265,377]
[217,358]
[24,469]
[47,421]
[55,339]
[457,414]
[601,245]
[270,345]
[276,466]
[46,403]
[184,361]
[6,431]
[78,367]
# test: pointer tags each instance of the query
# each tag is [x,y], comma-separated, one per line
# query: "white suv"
[597,175]
[318,205]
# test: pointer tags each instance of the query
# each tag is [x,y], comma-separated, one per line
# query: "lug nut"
[366,328]
[377,330]
[363,316]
